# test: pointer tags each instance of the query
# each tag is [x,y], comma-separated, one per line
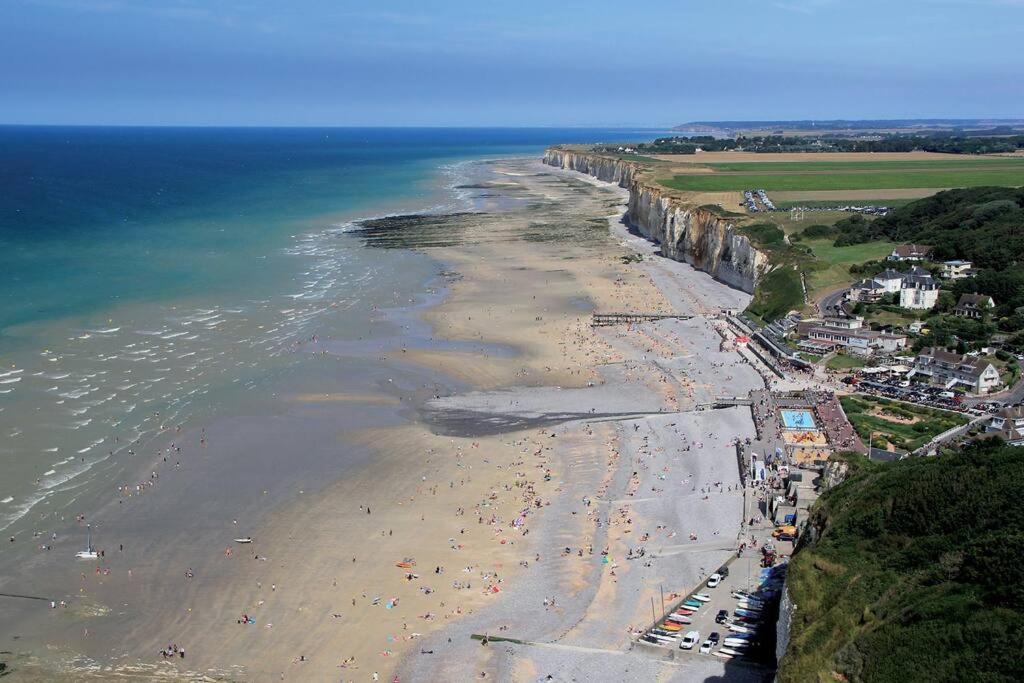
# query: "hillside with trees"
[911,571]
[984,225]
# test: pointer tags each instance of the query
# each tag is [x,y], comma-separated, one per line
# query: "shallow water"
[156,278]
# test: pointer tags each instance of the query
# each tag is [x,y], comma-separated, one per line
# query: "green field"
[843,361]
[825,181]
[832,264]
[968,163]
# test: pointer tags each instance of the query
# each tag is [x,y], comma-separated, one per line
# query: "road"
[830,301]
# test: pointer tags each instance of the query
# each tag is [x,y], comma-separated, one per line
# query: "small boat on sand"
[89,553]
[246,539]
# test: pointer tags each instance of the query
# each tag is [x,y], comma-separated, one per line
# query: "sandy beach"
[500,467]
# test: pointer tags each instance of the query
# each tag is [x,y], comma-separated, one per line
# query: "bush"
[778,292]
[818,231]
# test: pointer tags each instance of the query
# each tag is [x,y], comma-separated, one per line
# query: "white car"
[705,647]
[690,640]
[714,580]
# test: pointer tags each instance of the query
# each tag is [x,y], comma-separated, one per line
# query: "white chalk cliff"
[691,234]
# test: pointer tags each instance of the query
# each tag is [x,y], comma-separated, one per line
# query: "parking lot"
[922,394]
[742,573]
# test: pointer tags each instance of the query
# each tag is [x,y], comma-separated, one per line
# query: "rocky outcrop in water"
[694,235]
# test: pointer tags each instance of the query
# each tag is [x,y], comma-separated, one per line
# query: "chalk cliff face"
[694,235]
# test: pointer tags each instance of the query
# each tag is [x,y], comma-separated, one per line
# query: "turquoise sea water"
[151,276]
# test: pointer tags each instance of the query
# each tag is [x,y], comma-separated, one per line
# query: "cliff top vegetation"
[913,573]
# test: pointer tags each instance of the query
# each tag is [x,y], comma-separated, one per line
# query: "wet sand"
[467,452]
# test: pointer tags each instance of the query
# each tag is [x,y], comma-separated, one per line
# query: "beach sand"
[481,464]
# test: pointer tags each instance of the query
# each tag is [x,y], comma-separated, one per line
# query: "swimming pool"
[797,419]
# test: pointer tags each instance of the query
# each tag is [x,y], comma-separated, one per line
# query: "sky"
[498,63]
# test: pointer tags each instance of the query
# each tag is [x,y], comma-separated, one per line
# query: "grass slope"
[915,574]
[832,264]
[780,291]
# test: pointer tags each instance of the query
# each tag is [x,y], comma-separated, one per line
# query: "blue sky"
[526,62]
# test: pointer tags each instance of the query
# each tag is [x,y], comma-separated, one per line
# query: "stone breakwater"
[691,234]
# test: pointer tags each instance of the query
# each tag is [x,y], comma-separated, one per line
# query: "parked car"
[706,646]
[714,580]
[722,615]
[690,640]
[723,571]
[714,637]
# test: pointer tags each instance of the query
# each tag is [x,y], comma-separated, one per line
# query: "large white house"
[891,280]
[952,370]
[917,288]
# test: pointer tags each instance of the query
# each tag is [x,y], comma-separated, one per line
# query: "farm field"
[1009,176]
[760,157]
[863,176]
[945,163]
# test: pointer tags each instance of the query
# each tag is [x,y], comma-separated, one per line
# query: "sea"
[152,279]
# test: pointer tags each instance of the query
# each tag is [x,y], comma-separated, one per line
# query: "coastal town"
[857,372]
[395,343]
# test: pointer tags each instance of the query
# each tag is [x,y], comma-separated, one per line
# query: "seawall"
[694,235]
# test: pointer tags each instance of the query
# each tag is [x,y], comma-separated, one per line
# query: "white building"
[1008,424]
[956,270]
[919,290]
[910,252]
[891,280]
[951,370]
